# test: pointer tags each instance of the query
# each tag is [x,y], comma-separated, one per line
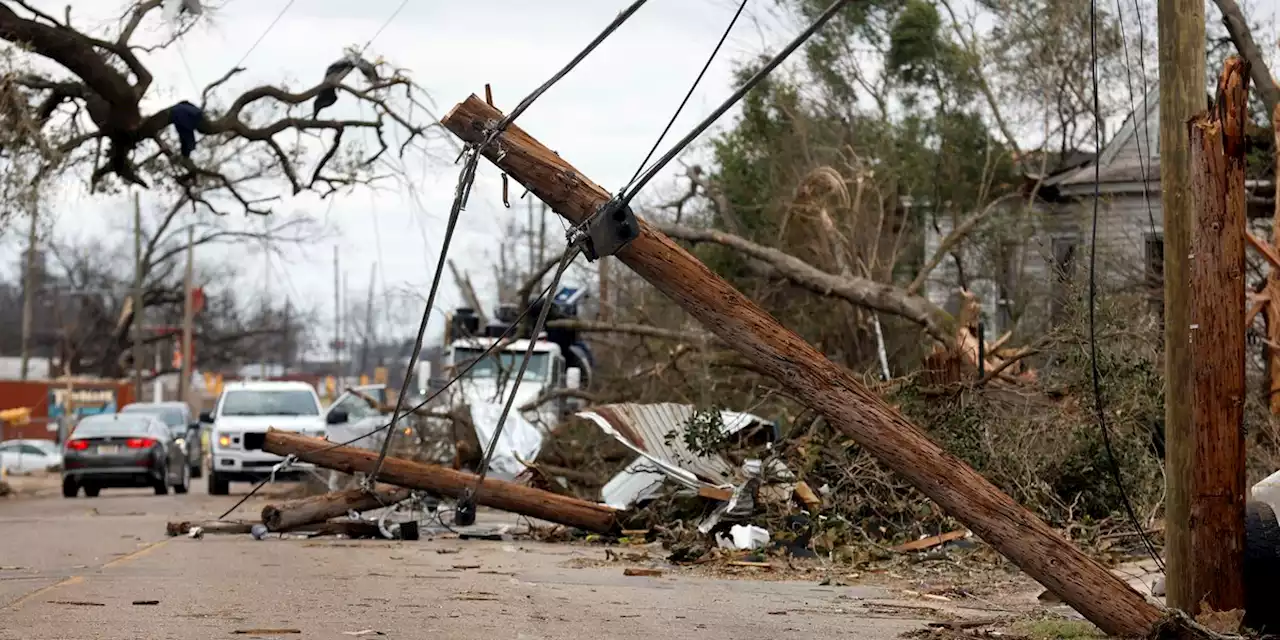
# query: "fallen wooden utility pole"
[1213,475]
[846,404]
[499,494]
[297,513]
[338,526]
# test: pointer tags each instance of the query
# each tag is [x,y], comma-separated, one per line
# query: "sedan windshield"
[502,363]
[269,403]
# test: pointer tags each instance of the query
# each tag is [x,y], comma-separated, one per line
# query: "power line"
[689,95]
[384,26]
[1093,296]
[586,51]
[742,91]
[570,253]
[264,33]
[1133,107]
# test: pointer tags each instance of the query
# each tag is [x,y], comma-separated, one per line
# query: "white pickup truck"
[240,420]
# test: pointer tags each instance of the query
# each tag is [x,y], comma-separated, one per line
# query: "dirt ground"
[103,568]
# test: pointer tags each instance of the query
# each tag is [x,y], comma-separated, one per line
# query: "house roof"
[1142,129]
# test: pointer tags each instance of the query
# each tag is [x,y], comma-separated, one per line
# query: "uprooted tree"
[88,115]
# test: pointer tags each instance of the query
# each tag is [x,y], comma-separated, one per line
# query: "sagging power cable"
[465,180]
[733,99]
[688,95]
[465,510]
[1099,410]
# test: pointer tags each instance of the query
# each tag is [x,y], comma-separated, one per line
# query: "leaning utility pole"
[29,286]
[815,381]
[1213,478]
[1182,97]
[137,298]
[188,319]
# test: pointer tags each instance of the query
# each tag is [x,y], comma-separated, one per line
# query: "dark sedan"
[123,450]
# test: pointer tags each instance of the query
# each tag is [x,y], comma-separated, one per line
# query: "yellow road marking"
[16,604]
[43,590]
[137,554]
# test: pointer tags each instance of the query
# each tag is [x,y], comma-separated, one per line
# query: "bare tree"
[92,115]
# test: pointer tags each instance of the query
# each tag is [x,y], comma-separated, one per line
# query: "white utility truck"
[240,420]
[559,362]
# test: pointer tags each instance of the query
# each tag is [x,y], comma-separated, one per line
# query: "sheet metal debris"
[644,428]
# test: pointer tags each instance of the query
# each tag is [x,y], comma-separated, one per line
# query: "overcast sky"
[603,117]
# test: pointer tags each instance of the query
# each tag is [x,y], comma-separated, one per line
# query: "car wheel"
[218,485]
[70,488]
[182,485]
[91,491]
[162,485]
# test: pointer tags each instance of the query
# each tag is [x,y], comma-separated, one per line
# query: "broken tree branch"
[846,404]
[642,330]
[1238,29]
[859,291]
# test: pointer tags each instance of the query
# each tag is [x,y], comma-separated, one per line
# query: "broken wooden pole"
[296,513]
[845,403]
[1210,550]
[499,494]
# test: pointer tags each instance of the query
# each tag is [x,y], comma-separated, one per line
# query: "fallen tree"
[492,492]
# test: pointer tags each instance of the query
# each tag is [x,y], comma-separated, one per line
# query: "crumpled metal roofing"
[643,428]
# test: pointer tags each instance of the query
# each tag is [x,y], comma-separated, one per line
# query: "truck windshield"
[506,362]
[269,403]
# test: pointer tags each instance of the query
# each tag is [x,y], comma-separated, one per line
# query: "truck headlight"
[224,441]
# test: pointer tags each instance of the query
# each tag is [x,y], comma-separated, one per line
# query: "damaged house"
[1033,264]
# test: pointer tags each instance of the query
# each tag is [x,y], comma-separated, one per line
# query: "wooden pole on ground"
[846,404]
[297,513]
[499,494]
[1182,96]
[1213,476]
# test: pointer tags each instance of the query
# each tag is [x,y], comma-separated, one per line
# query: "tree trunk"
[1214,472]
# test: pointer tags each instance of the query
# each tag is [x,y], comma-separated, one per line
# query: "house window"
[1064,269]
[1153,272]
[1007,285]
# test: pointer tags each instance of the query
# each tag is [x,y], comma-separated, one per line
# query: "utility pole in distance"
[29,286]
[1182,97]
[337,317]
[137,298]
[188,319]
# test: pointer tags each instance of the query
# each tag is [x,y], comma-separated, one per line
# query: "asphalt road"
[74,568]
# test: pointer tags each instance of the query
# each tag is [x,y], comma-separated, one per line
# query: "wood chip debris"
[931,541]
[637,571]
[265,632]
[77,603]
[145,602]
[755,565]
